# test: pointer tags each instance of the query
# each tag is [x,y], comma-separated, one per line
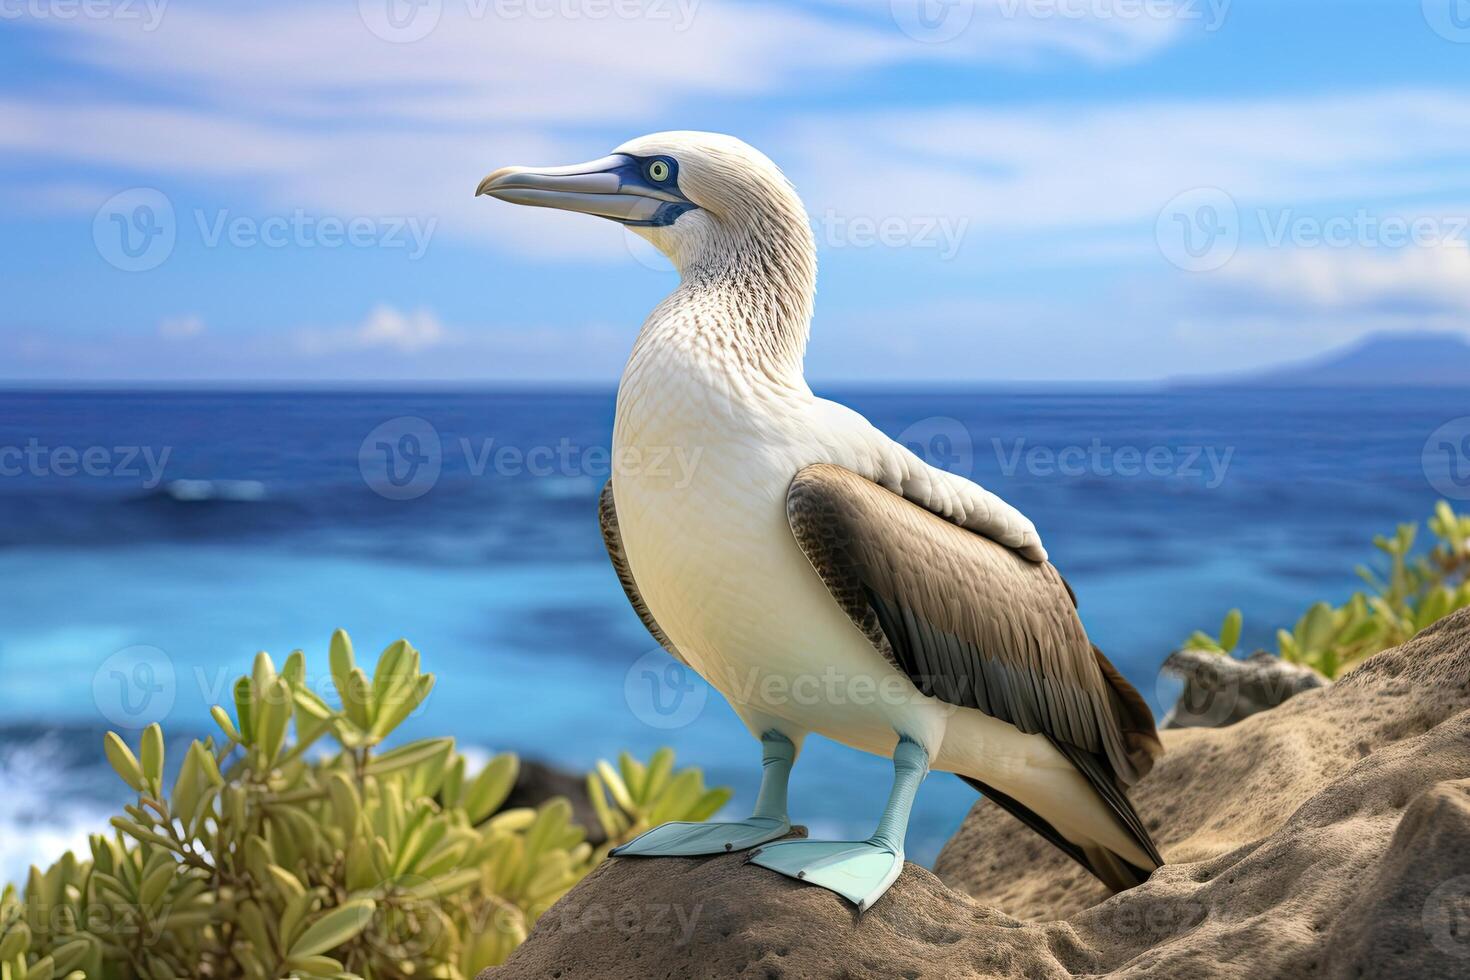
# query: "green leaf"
[244,710]
[42,969]
[409,755]
[633,776]
[333,929]
[342,663]
[490,788]
[317,966]
[616,786]
[447,884]
[222,719]
[17,939]
[357,701]
[1230,630]
[152,750]
[124,762]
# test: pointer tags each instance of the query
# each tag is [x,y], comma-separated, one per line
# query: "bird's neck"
[745,300]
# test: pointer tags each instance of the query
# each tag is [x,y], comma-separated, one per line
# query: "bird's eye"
[658,170]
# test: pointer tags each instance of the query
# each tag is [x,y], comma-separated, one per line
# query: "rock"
[1220,691]
[1329,837]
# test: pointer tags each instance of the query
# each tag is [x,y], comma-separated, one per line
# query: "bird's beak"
[613,187]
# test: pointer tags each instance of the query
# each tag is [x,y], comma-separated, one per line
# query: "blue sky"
[1002,190]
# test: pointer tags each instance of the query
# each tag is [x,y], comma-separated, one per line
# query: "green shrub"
[1412,592]
[271,856]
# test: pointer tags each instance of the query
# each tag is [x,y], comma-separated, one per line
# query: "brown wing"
[612,539]
[972,622]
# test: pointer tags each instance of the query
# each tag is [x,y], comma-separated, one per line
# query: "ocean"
[152,541]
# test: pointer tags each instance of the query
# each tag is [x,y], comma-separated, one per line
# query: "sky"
[1001,190]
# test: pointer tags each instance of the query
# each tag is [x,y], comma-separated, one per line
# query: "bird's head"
[705,200]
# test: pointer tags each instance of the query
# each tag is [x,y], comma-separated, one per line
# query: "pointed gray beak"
[613,187]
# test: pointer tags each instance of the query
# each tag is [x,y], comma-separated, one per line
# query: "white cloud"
[385,328]
[303,106]
[1409,280]
[181,327]
[1044,167]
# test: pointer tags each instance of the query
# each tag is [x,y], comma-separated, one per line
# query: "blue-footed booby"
[818,574]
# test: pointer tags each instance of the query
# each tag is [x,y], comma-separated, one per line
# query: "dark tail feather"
[1107,867]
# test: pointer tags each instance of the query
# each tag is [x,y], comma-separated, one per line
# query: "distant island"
[1421,359]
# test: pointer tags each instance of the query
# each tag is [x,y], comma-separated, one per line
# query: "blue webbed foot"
[859,871]
[688,839]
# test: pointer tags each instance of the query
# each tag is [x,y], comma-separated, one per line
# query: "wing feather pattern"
[973,623]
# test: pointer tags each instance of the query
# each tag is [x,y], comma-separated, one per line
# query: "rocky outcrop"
[1220,690]
[1329,837]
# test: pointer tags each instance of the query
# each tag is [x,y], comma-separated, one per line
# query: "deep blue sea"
[152,542]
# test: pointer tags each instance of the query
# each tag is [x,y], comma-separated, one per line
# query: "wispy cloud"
[385,328]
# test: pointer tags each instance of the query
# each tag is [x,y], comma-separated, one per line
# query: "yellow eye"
[658,170]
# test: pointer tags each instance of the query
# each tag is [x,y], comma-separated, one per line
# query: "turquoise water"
[248,521]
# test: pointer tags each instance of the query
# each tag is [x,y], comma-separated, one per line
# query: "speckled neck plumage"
[748,284]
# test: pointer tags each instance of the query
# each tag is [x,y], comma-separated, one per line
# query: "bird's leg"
[859,871]
[767,822]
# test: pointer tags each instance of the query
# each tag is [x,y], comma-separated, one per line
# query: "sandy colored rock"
[1220,691]
[1329,837]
